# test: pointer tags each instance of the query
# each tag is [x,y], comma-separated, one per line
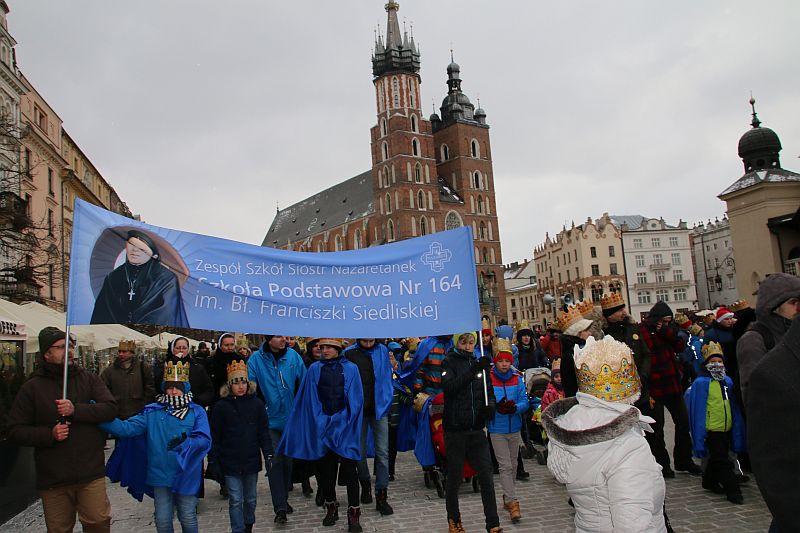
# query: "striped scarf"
[177,406]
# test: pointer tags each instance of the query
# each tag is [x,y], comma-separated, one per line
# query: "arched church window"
[388,204]
[477,182]
[396,92]
[452,221]
[390,230]
[421,200]
[385,150]
[338,243]
[475,149]
[445,152]
[414,124]
[418,173]
[482,232]
[357,240]
[383,127]
[423,226]
[415,147]
[385,176]
[480,205]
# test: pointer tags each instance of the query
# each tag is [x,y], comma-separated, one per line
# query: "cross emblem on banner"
[436,257]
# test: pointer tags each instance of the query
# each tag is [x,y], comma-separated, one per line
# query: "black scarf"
[177,406]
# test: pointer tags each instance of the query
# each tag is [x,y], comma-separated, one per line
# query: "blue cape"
[128,462]
[423,448]
[382,367]
[309,433]
[407,427]
[424,347]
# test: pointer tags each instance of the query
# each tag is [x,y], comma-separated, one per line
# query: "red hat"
[723,313]
[486,331]
[504,355]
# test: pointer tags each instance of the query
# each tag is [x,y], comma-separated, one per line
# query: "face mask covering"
[717,371]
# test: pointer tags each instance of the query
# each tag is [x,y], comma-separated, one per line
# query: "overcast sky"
[203,115]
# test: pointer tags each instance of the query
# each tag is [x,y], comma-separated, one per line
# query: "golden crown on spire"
[176,371]
[569,318]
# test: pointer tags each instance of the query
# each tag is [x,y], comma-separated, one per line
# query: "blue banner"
[123,271]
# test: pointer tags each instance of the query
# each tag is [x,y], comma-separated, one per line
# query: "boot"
[280,518]
[513,509]
[366,491]
[331,514]
[454,526]
[381,503]
[307,490]
[248,528]
[319,499]
[495,529]
[353,520]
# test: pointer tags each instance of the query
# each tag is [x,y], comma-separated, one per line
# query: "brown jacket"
[132,387]
[79,458]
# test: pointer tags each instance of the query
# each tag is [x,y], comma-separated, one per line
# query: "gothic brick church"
[427,175]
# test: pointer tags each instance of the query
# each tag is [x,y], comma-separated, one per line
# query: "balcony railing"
[660,266]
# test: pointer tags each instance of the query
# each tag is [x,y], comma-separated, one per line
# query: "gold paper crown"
[711,349]
[524,324]
[611,300]
[501,345]
[585,307]
[176,371]
[565,320]
[485,324]
[738,305]
[606,370]
[127,346]
[681,319]
[237,371]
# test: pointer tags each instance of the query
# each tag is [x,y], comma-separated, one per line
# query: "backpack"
[766,334]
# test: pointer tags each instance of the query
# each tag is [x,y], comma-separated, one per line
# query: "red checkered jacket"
[664,345]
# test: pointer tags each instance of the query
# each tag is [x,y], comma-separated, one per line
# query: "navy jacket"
[239,434]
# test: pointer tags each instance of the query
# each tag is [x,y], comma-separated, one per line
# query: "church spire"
[755,123]
[396,53]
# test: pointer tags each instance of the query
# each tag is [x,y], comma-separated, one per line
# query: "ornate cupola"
[759,147]
[398,53]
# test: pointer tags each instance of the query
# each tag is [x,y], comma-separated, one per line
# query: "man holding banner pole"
[374,367]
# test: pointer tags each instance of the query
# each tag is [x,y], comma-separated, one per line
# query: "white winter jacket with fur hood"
[598,450]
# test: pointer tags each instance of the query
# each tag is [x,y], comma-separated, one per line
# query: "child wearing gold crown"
[240,437]
[597,445]
[161,450]
[716,423]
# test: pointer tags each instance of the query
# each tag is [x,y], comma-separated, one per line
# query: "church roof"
[772,175]
[349,200]
[632,221]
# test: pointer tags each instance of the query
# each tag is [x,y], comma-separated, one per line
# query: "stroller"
[438,476]
[536,381]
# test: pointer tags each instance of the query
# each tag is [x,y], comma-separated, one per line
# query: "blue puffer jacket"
[512,389]
[697,402]
[277,380]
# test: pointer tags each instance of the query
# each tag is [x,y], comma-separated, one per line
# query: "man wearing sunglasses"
[70,464]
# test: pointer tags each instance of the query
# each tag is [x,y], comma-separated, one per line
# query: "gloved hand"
[507,407]
[481,364]
[174,443]
[267,465]
[488,412]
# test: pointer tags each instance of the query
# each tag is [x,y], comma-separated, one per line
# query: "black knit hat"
[48,336]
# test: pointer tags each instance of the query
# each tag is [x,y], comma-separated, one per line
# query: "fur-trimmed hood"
[614,420]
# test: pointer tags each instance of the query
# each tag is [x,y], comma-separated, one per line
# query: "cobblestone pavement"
[418,509]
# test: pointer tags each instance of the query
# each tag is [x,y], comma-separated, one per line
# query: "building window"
[480,204]
[676,259]
[445,152]
[421,200]
[385,176]
[485,255]
[643,297]
[383,127]
[613,269]
[414,123]
[357,245]
[655,242]
[711,286]
[611,252]
[423,226]
[396,92]
[677,275]
[418,173]
[679,295]
[50,222]
[452,220]
[513,302]
[661,276]
[597,293]
[39,118]
[415,147]
[639,260]
[641,277]
[657,259]
[475,149]
[593,251]
[50,190]
[482,231]
[595,270]
[662,295]
[673,242]
[637,243]
[388,204]
[476,180]
[338,242]
[390,230]
[385,150]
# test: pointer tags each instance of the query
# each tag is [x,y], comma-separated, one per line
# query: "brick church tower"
[427,175]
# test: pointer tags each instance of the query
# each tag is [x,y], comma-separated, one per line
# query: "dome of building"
[480,112]
[757,140]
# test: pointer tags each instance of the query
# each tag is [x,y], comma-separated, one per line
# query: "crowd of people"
[298,409]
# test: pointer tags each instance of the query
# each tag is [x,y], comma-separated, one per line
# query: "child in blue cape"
[167,442]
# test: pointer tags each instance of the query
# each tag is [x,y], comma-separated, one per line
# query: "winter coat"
[664,345]
[628,332]
[202,388]
[551,394]
[598,450]
[380,400]
[132,387]
[551,347]
[240,434]
[512,389]
[465,406]
[774,394]
[697,404]
[752,347]
[278,381]
[79,458]
[531,355]
[179,468]
[569,376]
